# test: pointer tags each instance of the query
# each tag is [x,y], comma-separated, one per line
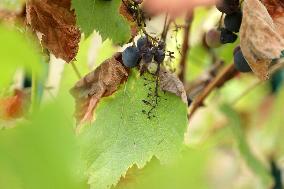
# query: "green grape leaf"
[104,17]
[123,136]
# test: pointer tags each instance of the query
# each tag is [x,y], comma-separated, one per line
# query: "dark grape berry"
[147,55]
[228,6]
[142,43]
[233,21]
[212,38]
[159,56]
[240,62]
[161,45]
[227,36]
[130,57]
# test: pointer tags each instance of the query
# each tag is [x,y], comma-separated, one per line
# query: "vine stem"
[225,75]
[167,24]
[222,77]
[185,48]
[220,20]
[76,70]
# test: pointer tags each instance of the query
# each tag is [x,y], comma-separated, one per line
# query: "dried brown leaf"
[101,82]
[57,23]
[171,83]
[260,40]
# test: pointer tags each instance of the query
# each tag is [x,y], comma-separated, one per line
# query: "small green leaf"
[104,17]
[122,135]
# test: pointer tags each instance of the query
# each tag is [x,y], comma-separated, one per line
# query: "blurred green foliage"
[17,50]
[41,153]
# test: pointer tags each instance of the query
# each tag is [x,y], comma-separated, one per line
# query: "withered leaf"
[259,38]
[57,23]
[101,82]
[171,83]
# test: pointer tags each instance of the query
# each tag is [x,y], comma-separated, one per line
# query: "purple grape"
[159,56]
[212,38]
[233,21]
[142,43]
[161,45]
[130,57]
[227,36]
[147,56]
[240,62]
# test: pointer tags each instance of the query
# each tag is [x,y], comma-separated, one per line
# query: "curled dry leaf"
[102,82]
[171,83]
[260,40]
[57,24]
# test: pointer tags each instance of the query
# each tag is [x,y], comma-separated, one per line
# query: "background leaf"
[104,17]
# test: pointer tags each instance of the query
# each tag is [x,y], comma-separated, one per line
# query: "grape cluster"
[227,32]
[232,23]
[144,50]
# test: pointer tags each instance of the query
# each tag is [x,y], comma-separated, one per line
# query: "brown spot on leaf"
[171,83]
[101,82]
[57,24]
[259,37]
